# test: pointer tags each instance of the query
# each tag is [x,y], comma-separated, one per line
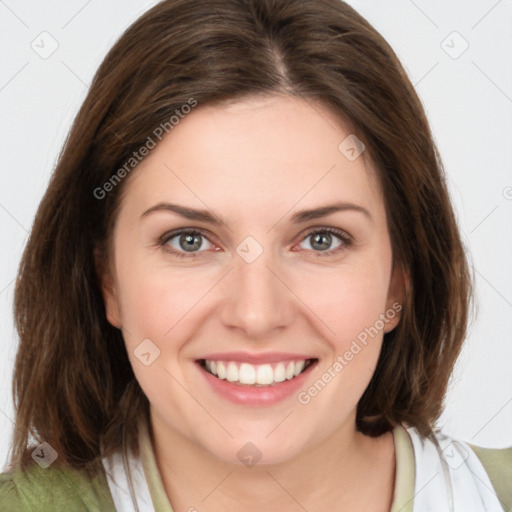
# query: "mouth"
[256,375]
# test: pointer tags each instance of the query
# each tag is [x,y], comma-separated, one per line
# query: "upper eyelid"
[175,232]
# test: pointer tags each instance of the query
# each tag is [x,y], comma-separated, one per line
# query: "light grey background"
[468,100]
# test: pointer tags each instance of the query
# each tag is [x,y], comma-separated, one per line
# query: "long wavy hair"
[73,383]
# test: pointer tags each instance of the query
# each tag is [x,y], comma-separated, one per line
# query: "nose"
[259,301]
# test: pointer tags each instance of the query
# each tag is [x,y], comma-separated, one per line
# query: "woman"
[245,286]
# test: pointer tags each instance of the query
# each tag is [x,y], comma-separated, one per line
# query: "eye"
[322,239]
[185,243]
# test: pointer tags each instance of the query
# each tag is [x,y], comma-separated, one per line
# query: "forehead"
[246,156]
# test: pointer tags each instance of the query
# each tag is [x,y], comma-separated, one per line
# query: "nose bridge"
[258,301]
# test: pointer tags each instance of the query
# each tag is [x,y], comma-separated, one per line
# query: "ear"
[398,286]
[108,289]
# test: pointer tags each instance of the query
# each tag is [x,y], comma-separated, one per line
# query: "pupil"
[191,242]
[319,238]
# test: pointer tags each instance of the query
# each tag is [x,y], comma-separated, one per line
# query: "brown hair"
[73,383]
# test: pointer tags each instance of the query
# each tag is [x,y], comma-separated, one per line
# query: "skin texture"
[254,163]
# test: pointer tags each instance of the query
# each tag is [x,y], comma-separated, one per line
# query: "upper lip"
[262,358]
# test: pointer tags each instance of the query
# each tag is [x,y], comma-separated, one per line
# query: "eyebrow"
[297,218]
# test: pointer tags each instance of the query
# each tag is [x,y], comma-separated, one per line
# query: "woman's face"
[252,294]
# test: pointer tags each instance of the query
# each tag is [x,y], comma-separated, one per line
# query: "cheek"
[154,297]
[347,300]
[146,309]
[352,308]
[154,307]
[166,306]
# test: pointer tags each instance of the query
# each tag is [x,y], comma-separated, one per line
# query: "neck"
[335,474]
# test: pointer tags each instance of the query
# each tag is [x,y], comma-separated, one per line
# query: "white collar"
[449,476]
[119,487]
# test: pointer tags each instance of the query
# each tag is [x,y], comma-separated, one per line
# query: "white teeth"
[232,372]
[289,370]
[265,375]
[221,370]
[279,373]
[299,367]
[249,374]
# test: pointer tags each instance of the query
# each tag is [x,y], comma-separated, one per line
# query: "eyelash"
[342,235]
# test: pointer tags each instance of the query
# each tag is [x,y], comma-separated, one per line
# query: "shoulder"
[498,465]
[54,488]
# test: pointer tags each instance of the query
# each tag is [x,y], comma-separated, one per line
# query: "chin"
[256,450]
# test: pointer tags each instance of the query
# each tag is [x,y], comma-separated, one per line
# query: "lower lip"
[257,396]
